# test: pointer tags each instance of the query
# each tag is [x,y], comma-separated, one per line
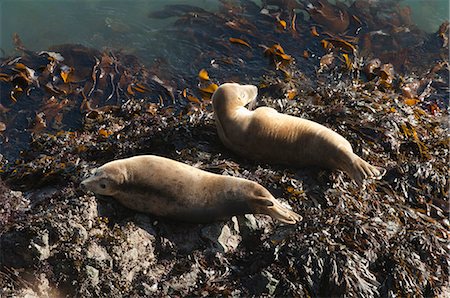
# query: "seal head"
[105,181]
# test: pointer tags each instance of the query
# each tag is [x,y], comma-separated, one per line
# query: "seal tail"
[275,209]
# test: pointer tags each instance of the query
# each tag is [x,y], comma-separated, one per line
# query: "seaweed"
[352,68]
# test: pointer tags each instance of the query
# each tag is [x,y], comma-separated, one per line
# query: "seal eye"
[103,185]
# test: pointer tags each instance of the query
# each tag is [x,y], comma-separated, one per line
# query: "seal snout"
[83,186]
[86,184]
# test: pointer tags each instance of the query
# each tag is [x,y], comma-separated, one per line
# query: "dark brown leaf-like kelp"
[365,70]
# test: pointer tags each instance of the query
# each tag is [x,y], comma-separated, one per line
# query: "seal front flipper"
[273,208]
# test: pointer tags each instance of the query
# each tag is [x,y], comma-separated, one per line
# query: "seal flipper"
[361,170]
[273,208]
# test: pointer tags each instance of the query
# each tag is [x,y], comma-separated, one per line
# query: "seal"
[266,135]
[167,188]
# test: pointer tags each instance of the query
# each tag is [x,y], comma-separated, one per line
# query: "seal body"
[168,188]
[269,136]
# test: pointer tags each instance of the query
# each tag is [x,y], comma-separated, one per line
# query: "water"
[125,24]
[100,24]
[429,14]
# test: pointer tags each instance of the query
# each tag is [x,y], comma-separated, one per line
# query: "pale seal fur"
[272,137]
[172,189]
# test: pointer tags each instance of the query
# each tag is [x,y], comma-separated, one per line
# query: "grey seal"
[266,135]
[167,188]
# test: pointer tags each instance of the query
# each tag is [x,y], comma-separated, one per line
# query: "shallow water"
[126,24]
[429,14]
[99,24]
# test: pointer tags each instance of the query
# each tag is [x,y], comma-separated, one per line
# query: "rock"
[132,257]
[387,240]
[181,238]
[225,237]
[134,252]
[445,292]
[38,288]
[14,249]
[43,286]
[282,232]
[80,234]
[99,255]
[185,281]
[28,293]
[150,290]
[12,203]
[265,283]
[90,211]
[247,224]
[92,275]
[40,246]
[39,196]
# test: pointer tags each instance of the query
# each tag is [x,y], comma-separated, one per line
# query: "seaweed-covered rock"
[64,118]
[12,203]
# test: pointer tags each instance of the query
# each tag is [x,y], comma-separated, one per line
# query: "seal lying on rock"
[168,188]
[269,136]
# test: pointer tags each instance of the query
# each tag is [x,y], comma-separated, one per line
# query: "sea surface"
[126,25]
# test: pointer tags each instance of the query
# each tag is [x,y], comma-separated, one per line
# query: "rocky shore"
[63,117]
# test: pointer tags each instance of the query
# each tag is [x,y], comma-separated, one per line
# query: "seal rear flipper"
[276,210]
[381,172]
[361,170]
